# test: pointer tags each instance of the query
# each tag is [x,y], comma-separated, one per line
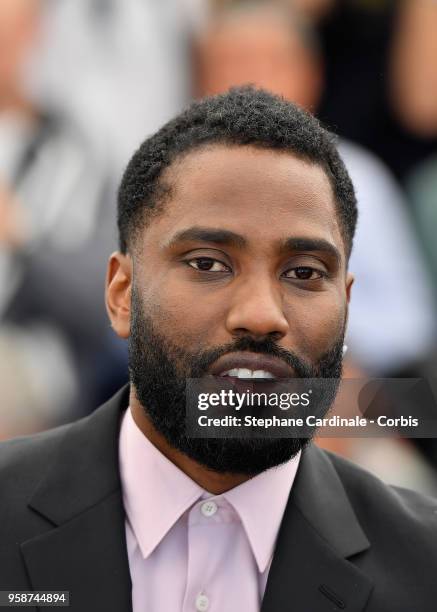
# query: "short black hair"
[242,116]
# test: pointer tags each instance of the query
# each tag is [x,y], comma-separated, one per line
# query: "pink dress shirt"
[190,550]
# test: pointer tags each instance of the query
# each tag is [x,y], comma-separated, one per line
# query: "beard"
[158,371]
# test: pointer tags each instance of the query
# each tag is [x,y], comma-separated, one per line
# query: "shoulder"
[24,463]
[401,528]
[385,510]
[24,460]
[87,447]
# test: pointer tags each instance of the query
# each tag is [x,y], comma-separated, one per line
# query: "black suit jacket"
[346,542]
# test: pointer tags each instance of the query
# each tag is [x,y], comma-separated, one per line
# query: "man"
[236,223]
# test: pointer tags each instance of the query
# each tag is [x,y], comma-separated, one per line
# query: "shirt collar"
[260,503]
[156,493]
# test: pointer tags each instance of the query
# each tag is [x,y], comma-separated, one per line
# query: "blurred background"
[83,82]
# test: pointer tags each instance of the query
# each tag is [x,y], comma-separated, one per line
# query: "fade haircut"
[242,116]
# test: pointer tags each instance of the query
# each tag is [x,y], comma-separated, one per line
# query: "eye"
[207,264]
[304,273]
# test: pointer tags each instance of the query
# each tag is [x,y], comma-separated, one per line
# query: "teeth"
[246,373]
[262,374]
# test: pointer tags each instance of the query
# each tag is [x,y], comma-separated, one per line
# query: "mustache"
[264,346]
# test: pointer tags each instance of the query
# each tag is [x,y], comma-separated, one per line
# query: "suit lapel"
[319,531]
[85,551]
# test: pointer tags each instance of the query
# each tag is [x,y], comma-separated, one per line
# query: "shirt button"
[202,602]
[209,508]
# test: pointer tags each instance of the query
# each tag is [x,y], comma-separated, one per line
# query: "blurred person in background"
[55,234]
[414,71]
[85,81]
[121,66]
[392,327]
[422,189]
[380,81]
[380,77]
[414,93]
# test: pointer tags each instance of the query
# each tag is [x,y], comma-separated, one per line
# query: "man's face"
[245,262]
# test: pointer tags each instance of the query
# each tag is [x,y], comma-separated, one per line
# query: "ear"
[118,293]
[349,282]
[350,278]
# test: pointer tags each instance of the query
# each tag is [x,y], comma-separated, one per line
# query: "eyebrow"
[208,234]
[229,238]
[319,245]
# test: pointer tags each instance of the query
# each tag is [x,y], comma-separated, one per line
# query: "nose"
[256,309]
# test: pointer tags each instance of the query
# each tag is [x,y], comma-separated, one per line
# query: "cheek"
[184,317]
[316,324]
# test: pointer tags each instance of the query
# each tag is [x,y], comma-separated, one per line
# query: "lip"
[252,361]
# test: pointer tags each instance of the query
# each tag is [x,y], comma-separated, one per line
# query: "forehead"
[263,194]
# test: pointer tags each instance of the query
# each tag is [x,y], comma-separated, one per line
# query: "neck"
[213,482]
